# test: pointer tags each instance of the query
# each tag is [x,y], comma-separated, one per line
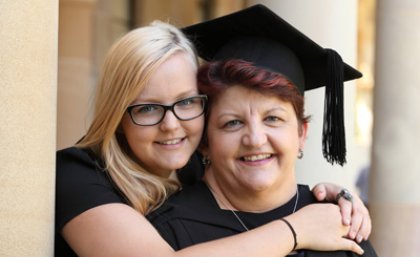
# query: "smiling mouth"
[257,157]
[171,142]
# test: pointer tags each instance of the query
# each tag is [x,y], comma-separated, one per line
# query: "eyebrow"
[156,100]
[234,114]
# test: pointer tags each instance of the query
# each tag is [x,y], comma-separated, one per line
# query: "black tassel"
[333,135]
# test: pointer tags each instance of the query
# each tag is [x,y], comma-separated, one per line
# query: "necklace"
[237,216]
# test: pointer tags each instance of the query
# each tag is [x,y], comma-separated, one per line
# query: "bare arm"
[118,230]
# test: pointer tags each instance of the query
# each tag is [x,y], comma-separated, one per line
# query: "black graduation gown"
[192,216]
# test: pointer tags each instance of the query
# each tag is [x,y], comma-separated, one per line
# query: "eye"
[232,124]
[146,109]
[273,120]
[187,101]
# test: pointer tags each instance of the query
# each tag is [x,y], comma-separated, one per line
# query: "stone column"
[332,24]
[75,72]
[87,29]
[395,175]
[28,61]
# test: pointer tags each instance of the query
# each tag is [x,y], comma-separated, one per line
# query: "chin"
[259,188]
[258,185]
[178,163]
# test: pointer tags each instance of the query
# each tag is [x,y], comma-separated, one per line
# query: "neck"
[173,175]
[229,198]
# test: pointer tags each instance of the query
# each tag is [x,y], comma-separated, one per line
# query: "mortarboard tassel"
[333,135]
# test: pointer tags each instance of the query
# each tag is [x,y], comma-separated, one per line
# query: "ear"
[303,134]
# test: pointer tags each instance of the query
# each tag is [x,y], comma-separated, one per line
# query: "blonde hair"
[128,66]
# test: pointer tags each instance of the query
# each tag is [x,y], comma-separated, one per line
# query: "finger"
[368,225]
[346,211]
[365,229]
[350,245]
[332,191]
[320,192]
[360,217]
[356,222]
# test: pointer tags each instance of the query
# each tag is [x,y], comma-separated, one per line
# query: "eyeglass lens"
[151,114]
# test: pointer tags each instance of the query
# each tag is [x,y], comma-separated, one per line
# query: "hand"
[355,214]
[319,227]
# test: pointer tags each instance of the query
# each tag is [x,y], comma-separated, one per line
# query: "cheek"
[126,130]
[222,146]
[284,142]
[135,135]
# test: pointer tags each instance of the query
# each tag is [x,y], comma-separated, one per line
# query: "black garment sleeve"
[81,184]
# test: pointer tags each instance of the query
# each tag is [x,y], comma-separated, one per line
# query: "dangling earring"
[300,154]
[205,160]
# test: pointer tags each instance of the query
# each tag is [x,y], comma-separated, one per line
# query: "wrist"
[293,232]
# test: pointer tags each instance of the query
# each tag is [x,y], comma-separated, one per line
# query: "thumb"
[351,245]
[320,192]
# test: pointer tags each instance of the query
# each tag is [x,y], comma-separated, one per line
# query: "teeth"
[171,142]
[258,157]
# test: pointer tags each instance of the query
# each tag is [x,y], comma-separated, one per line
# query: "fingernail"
[346,222]
[359,238]
[352,234]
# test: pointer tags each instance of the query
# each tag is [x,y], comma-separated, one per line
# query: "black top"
[82,184]
[192,216]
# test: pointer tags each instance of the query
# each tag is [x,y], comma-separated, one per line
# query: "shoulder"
[306,196]
[76,167]
[190,205]
[196,196]
[168,220]
[192,216]
[81,184]
[191,197]
[74,157]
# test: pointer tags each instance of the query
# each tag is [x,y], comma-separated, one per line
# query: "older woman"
[256,130]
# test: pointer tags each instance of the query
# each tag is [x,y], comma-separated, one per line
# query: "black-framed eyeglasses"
[152,114]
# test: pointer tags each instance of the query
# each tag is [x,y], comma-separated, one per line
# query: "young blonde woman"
[147,124]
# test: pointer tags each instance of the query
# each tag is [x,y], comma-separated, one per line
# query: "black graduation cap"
[258,35]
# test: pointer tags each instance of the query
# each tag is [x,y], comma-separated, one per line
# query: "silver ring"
[345,194]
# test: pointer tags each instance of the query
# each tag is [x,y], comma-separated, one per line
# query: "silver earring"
[300,154]
[205,161]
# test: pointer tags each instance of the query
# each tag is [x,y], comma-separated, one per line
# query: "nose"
[255,136]
[169,122]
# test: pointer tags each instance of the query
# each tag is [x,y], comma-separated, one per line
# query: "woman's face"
[253,141]
[168,145]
